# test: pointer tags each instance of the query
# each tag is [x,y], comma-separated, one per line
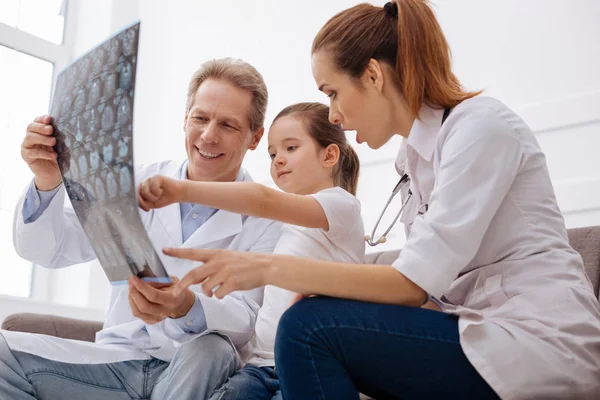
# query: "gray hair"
[240,74]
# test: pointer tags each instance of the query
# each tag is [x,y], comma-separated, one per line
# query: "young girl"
[317,170]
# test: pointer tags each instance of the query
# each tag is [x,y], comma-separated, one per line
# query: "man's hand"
[159,191]
[153,303]
[39,155]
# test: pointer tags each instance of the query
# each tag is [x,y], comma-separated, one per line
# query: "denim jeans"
[332,349]
[250,383]
[198,368]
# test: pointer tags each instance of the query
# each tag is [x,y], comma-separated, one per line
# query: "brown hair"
[316,118]
[240,74]
[406,35]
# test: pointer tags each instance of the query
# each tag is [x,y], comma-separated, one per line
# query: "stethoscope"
[382,238]
[405,180]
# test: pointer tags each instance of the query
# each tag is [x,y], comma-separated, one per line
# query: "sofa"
[585,240]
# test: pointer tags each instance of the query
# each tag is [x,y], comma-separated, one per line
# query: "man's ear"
[185,121]
[256,136]
[332,155]
[373,75]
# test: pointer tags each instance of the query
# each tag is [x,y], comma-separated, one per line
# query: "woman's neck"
[402,118]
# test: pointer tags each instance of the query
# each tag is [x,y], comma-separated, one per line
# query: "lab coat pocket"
[494,292]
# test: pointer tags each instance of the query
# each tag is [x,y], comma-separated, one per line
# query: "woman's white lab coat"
[57,240]
[493,246]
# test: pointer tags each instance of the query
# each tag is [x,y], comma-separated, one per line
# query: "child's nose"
[280,160]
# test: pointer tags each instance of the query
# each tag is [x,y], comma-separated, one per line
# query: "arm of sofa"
[52,325]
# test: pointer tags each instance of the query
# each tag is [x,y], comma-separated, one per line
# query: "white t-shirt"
[343,243]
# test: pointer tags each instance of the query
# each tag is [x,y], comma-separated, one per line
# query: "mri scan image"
[112,187]
[110,85]
[92,112]
[126,76]
[95,92]
[108,117]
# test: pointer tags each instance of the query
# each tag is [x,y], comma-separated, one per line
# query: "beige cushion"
[52,325]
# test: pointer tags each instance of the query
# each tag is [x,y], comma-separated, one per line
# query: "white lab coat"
[56,240]
[494,247]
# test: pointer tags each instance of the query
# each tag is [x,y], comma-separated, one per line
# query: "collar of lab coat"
[424,132]
[221,225]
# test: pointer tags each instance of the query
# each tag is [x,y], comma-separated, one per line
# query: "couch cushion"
[587,242]
[52,325]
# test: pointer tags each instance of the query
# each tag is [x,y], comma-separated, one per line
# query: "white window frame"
[43,281]
[24,42]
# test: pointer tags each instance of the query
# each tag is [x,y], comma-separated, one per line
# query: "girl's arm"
[248,198]
[254,199]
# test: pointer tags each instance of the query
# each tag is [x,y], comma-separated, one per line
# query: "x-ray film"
[92,112]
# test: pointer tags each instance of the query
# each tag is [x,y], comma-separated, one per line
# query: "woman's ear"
[373,75]
[331,155]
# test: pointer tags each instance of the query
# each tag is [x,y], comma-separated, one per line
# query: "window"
[41,18]
[31,36]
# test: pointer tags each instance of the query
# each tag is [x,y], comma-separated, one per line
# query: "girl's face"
[358,105]
[298,164]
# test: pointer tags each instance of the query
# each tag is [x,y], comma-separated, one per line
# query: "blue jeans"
[250,383]
[332,349]
[198,368]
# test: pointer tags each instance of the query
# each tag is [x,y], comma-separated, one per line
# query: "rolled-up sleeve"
[188,326]
[36,202]
[479,160]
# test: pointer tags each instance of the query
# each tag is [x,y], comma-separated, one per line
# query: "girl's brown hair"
[406,35]
[315,116]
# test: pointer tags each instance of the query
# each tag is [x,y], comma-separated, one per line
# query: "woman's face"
[357,104]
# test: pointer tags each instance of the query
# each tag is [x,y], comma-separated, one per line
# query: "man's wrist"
[186,305]
[45,186]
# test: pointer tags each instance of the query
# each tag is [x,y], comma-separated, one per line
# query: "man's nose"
[210,133]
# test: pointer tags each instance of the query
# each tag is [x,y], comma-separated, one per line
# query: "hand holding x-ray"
[92,111]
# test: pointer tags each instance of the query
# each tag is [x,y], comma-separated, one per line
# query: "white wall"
[273,36]
[13,305]
[541,57]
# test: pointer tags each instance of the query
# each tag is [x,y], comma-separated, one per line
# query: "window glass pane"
[42,18]
[9,12]
[25,84]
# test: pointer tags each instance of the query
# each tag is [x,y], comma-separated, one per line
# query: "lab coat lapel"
[166,221]
[221,225]
[211,234]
